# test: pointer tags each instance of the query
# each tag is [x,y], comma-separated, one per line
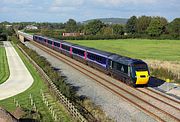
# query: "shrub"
[163,73]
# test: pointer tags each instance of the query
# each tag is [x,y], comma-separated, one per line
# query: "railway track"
[174,103]
[160,107]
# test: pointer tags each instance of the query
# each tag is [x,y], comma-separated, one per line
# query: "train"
[134,72]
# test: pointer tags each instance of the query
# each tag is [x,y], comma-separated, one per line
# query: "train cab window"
[140,67]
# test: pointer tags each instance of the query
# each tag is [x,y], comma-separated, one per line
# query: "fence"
[32,103]
[74,112]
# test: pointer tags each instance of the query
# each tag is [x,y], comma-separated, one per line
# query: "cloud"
[16,1]
[61,9]
[67,3]
[4,9]
[122,2]
[65,6]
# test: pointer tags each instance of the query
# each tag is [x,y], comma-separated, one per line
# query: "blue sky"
[80,10]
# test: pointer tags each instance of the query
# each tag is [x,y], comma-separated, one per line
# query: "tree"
[93,27]
[80,27]
[174,27]
[5,31]
[71,26]
[118,29]
[131,25]
[106,31]
[142,24]
[157,26]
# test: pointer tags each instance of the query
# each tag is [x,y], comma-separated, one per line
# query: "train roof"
[52,39]
[103,53]
[68,43]
[80,47]
[124,60]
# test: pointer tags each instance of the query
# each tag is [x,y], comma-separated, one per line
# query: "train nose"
[142,77]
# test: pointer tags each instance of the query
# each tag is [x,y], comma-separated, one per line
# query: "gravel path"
[115,107]
[20,79]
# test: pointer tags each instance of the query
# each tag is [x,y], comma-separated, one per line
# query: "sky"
[81,10]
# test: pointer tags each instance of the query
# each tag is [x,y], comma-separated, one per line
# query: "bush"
[96,37]
[163,73]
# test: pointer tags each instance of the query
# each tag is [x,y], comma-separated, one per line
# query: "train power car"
[131,71]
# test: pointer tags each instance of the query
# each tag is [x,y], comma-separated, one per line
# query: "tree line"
[153,26]
[136,27]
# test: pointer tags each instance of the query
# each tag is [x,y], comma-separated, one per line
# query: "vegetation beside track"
[23,98]
[4,68]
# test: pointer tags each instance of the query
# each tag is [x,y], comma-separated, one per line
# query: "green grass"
[62,112]
[4,69]
[138,48]
[23,98]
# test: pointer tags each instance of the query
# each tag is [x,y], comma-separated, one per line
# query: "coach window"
[104,60]
[66,47]
[91,56]
[81,52]
[56,44]
[50,42]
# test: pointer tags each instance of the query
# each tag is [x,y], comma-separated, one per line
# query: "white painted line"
[20,78]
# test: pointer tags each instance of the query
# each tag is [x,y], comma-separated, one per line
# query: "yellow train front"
[140,73]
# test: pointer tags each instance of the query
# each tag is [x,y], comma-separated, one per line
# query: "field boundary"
[74,112]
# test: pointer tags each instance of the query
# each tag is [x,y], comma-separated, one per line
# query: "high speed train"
[131,71]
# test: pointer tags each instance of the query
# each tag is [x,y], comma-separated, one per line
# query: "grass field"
[168,50]
[23,98]
[4,69]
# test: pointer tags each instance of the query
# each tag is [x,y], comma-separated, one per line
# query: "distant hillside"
[110,20]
